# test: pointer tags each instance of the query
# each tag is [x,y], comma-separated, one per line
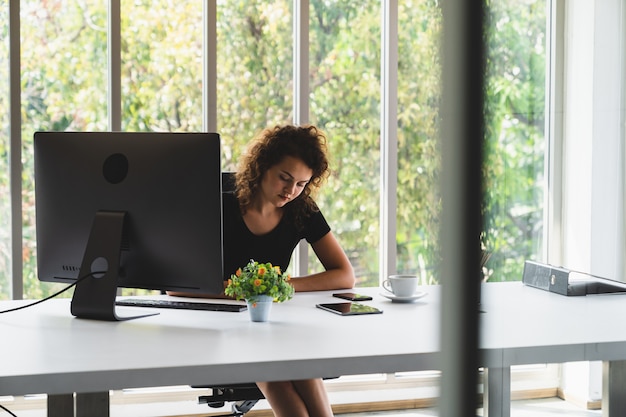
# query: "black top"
[241,245]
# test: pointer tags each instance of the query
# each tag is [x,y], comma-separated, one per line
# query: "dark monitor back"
[169,184]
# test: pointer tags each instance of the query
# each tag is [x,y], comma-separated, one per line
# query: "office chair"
[243,396]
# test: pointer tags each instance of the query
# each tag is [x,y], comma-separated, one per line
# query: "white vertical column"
[607,134]
[388,138]
[594,157]
[554,102]
[301,98]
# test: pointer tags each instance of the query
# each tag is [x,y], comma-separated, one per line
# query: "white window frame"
[591,110]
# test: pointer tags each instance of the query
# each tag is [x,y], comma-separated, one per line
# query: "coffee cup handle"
[387,286]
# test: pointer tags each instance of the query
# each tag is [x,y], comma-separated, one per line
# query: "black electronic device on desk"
[567,282]
[348,308]
[128,209]
[181,305]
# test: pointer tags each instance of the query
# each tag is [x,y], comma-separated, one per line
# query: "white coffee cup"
[401,285]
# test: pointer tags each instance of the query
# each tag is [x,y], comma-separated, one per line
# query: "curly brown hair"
[307,143]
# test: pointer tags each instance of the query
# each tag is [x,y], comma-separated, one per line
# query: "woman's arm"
[338,272]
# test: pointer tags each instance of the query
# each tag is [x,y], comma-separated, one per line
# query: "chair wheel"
[205,399]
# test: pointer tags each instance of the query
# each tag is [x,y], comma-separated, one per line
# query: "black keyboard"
[181,305]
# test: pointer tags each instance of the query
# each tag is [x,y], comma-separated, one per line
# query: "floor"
[547,407]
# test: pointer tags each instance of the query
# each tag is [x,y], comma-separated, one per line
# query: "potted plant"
[259,284]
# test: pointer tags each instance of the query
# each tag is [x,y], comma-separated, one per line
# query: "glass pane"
[419,159]
[345,103]
[5,197]
[162,65]
[515,140]
[254,71]
[64,73]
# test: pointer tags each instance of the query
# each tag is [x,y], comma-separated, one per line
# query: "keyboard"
[181,305]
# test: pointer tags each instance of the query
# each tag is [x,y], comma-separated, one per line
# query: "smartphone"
[352,296]
[348,309]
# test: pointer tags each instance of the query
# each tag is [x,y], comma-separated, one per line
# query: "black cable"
[7,410]
[41,301]
[55,294]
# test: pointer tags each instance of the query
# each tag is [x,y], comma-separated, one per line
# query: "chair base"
[243,396]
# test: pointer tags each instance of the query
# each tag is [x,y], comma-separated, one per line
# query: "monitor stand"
[96,288]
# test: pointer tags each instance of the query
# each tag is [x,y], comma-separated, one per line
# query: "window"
[419,159]
[254,71]
[345,101]
[66,85]
[516,146]
[161,65]
[64,79]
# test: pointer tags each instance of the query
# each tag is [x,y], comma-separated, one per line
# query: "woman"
[271,210]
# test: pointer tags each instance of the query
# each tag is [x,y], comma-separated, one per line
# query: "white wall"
[593,156]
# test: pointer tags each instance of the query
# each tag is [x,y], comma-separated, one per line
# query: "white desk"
[524,325]
[45,349]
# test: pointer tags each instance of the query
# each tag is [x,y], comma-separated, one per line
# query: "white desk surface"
[530,325]
[45,349]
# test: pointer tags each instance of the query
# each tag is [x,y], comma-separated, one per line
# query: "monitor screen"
[127,209]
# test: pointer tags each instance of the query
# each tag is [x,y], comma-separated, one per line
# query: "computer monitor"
[128,209]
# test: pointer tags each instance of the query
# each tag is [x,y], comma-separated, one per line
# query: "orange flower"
[262,270]
[238,272]
[257,282]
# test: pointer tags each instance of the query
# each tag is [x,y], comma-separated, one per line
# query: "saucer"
[408,299]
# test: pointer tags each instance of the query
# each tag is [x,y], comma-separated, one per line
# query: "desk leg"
[497,392]
[92,404]
[61,405]
[613,388]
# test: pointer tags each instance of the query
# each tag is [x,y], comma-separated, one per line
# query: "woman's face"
[285,181]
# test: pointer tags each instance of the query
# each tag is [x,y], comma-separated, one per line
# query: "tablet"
[348,309]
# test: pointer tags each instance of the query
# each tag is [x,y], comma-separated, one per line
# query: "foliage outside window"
[254,71]
[345,101]
[161,65]
[419,159]
[64,87]
[64,83]
[515,140]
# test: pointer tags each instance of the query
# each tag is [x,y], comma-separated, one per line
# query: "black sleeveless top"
[276,246]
